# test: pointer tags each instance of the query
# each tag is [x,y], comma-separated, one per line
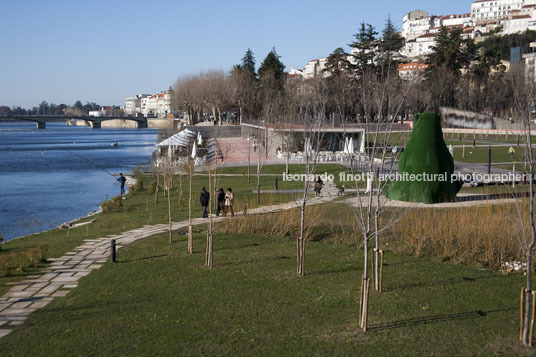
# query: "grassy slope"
[161,301]
[140,209]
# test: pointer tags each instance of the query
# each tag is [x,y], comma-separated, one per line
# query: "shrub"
[152,186]
[138,173]
[4,261]
[20,259]
[43,250]
[33,257]
[113,204]
[137,187]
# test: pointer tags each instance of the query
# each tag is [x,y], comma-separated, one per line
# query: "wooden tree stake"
[361,299]
[366,306]
[190,240]
[521,314]
[381,269]
[533,293]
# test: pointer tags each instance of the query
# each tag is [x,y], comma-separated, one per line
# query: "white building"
[417,23]
[95,113]
[315,68]
[412,71]
[133,104]
[530,67]
[421,46]
[494,9]
[158,105]
[458,20]
[520,20]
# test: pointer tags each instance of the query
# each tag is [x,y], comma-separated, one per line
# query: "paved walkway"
[63,274]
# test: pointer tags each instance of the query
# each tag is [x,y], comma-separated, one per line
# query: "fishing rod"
[90,161]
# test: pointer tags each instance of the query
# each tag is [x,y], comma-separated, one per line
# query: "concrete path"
[63,274]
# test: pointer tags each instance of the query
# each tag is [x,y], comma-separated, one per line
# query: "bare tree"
[312,105]
[381,97]
[205,91]
[524,100]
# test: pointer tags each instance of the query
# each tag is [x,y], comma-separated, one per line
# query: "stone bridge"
[95,122]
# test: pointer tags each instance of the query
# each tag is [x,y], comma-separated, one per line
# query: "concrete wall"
[119,123]
[456,118]
[231,131]
[161,123]
[78,123]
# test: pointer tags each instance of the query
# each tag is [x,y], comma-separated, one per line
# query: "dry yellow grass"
[281,224]
[488,235]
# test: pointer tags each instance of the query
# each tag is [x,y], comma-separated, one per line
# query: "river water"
[54,175]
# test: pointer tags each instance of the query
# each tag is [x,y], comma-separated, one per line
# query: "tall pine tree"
[364,49]
[389,47]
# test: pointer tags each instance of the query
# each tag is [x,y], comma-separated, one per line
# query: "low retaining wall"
[161,123]
[119,123]
[456,118]
[231,131]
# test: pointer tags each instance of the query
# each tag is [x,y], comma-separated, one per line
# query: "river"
[54,175]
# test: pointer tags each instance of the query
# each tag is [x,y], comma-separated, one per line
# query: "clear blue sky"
[104,51]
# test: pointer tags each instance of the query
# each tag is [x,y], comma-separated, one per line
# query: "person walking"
[204,198]
[122,181]
[229,202]
[221,201]
[318,185]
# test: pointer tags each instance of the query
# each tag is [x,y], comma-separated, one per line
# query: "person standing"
[221,201]
[122,181]
[229,202]
[204,198]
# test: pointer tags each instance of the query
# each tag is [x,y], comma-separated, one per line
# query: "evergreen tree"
[451,50]
[271,68]
[248,62]
[244,83]
[364,49]
[337,63]
[390,45]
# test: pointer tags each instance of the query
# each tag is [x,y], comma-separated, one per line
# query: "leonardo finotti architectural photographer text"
[396,176]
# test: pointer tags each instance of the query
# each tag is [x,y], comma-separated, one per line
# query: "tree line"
[44,108]
[462,73]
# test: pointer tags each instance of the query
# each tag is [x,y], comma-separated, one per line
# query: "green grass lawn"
[139,210]
[392,139]
[480,154]
[158,300]
[489,190]
[401,139]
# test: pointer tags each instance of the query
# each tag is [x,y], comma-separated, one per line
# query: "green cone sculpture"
[425,153]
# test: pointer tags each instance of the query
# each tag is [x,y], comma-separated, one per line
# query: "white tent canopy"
[180,139]
[348,145]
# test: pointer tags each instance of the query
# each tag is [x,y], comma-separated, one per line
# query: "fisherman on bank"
[122,181]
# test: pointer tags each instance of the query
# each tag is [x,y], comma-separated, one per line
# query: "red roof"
[519,17]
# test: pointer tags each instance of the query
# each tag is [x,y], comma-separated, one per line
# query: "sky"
[104,51]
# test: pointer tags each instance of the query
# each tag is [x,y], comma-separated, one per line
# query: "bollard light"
[112,251]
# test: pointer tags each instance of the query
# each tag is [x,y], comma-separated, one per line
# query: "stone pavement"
[63,273]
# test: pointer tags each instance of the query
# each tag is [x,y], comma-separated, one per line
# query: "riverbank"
[58,174]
